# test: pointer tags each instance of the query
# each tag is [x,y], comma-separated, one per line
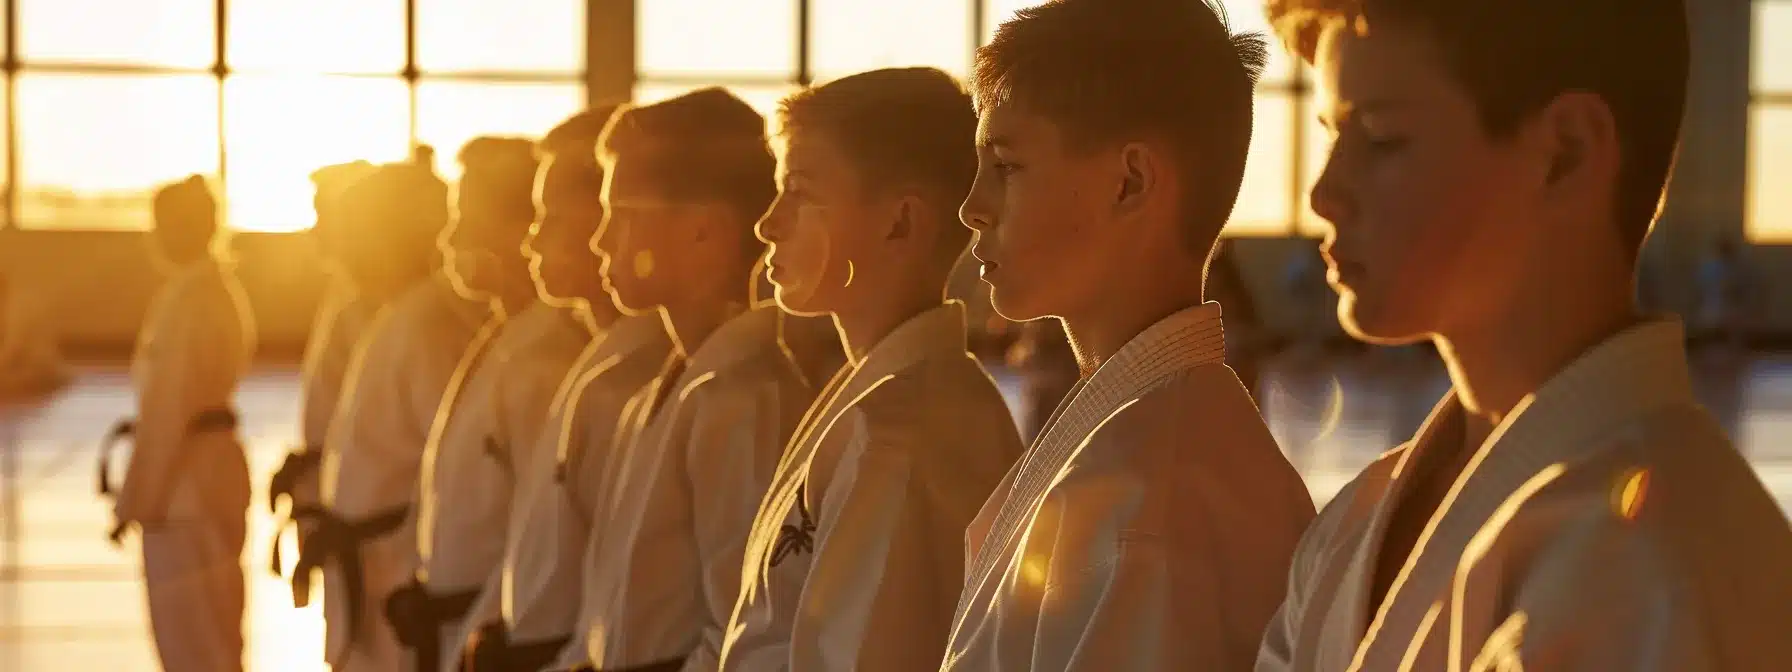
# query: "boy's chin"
[1369,322]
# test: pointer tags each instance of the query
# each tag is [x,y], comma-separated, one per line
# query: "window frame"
[1296,88]
[12,65]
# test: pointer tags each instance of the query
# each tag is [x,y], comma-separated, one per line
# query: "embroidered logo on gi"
[798,537]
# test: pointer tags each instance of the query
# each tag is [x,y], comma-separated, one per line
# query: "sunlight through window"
[92,148]
[538,36]
[1769,171]
[175,33]
[849,36]
[1265,198]
[1769,218]
[451,113]
[279,129]
[360,36]
[753,38]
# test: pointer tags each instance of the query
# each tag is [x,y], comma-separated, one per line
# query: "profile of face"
[1043,215]
[825,230]
[646,243]
[561,261]
[481,248]
[1430,217]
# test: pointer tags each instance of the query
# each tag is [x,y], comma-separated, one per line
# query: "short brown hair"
[705,146]
[1515,56]
[1102,70]
[499,177]
[898,126]
[573,147]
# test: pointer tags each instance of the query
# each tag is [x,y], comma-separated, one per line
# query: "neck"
[1122,314]
[864,325]
[597,312]
[1515,349]
[690,324]
[514,297]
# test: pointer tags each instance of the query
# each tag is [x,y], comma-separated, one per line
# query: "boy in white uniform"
[1495,169]
[407,362]
[1148,525]
[187,487]
[466,482]
[684,182]
[857,553]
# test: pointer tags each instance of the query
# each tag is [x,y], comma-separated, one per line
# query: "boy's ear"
[1140,176]
[904,225]
[1582,139]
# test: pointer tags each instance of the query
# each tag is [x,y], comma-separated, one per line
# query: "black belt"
[670,665]
[297,464]
[494,651]
[207,421]
[417,617]
[338,539]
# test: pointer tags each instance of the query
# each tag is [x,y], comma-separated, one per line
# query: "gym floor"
[70,601]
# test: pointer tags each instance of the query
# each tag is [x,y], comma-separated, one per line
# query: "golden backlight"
[116,97]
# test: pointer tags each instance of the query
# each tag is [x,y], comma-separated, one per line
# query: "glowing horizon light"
[281,128]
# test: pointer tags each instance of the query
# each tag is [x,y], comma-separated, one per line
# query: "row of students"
[702,495]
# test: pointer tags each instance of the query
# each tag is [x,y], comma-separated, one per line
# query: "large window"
[102,111]
[763,49]
[1770,125]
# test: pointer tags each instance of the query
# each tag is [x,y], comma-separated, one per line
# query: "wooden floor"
[69,601]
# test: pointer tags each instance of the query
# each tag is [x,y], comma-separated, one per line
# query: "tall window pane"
[176,33]
[754,38]
[1769,173]
[487,36]
[92,148]
[360,36]
[279,129]
[1266,199]
[451,113]
[849,36]
[762,98]
[1773,46]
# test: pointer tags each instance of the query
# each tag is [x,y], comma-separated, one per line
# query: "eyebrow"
[1345,111]
[994,142]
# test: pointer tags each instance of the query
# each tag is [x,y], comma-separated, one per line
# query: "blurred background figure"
[187,488]
[31,364]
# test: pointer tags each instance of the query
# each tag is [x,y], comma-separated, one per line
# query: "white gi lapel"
[1189,338]
[1569,419]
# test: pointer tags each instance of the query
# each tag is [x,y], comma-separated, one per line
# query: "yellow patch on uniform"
[643,264]
[1032,570]
[851,271]
[1628,494]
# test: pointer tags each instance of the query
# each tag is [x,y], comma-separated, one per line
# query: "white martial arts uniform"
[465,485]
[663,573]
[896,457]
[1147,528]
[408,366]
[535,592]
[1606,524]
[189,490]
[342,316]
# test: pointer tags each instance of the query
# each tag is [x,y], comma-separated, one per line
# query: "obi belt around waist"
[205,422]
